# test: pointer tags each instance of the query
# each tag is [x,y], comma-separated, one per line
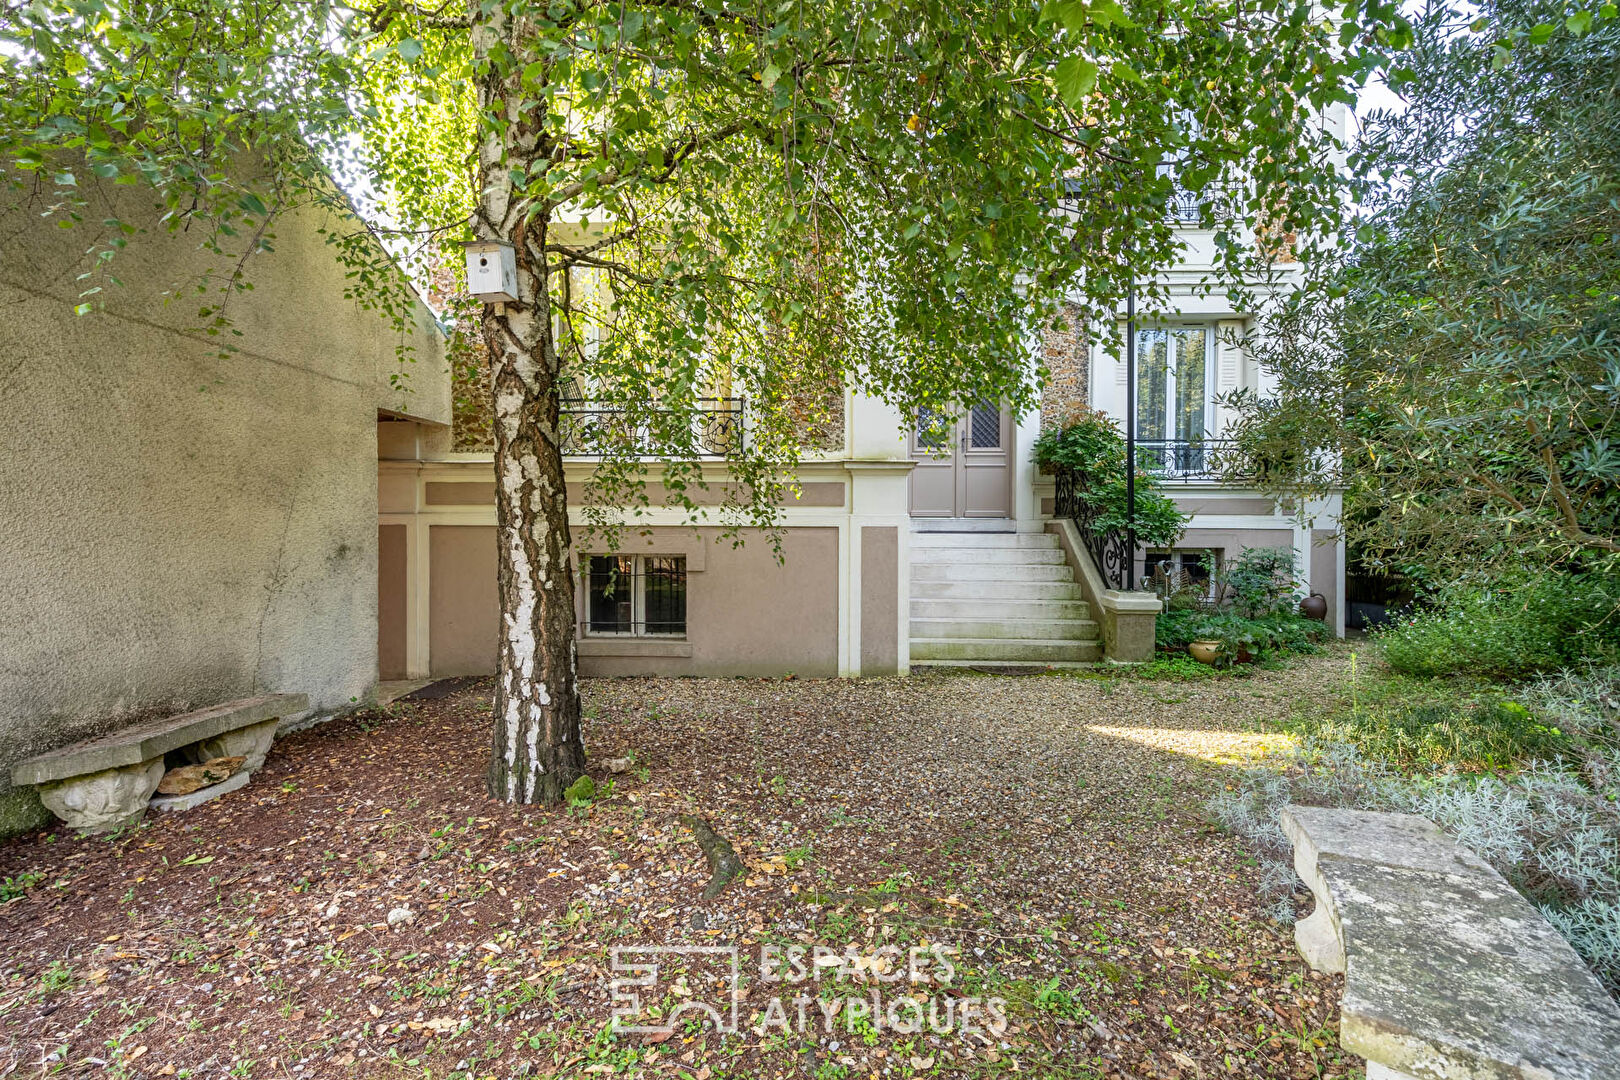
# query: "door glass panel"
[984,427]
[1191,353]
[1152,383]
[933,431]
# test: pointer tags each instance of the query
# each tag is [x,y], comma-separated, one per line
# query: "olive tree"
[1456,367]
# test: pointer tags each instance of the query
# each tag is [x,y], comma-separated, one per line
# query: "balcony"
[1185,460]
[712,428]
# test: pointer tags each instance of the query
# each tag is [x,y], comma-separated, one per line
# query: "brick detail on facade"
[1068,363]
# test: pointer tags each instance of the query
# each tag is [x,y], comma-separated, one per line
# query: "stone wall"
[1067,355]
[179,528]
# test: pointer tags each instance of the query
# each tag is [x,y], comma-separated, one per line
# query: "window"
[1172,382]
[1185,206]
[636,595]
[1184,575]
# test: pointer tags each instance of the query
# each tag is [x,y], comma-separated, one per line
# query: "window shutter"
[1228,354]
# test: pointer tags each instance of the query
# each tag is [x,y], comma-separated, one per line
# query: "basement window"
[1184,574]
[635,595]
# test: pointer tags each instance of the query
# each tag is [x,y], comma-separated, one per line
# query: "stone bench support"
[107,782]
[1450,974]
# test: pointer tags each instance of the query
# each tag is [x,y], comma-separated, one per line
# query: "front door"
[963,466]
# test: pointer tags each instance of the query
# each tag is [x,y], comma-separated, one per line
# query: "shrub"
[1511,632]
[1089,443]
[1259,638]
[1259,581]
[1480,736]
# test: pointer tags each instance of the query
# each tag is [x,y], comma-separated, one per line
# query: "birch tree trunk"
[537,751]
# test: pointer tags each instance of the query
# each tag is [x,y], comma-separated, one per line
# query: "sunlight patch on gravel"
[1219,747]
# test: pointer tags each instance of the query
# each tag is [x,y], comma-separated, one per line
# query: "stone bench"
[1449,972]
[107,782]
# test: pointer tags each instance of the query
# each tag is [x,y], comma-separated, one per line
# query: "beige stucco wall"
[177,528]
[746,614]
[880,600]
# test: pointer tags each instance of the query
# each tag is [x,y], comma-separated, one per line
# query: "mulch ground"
[363,909]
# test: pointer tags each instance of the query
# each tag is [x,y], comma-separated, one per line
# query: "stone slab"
[236,782]
[153,738]
[1449,972]
[1387,839]
[1449,975]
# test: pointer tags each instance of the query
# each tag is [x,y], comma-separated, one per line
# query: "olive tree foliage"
[1457,368]
[767,200]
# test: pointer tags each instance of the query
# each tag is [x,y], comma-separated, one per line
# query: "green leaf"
[1579,23]
[1124,71]
[770,75]
[1076,77]
[409,49]
[1109,13]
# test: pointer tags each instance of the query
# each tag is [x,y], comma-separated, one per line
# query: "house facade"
[900,547]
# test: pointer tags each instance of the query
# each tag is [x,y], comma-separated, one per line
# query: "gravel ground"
[363,909]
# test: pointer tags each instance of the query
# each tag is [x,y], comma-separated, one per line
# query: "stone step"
[1014,555]
[995,590]
[983,540]
[990,571]
[1029,651]
[999,609]
[1011,629]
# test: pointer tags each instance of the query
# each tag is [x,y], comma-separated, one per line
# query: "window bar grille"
[636,595]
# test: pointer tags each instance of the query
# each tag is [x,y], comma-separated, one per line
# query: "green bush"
[1486,735]
[1260,581]
[1260,638]
[1089,443]
[1511,632]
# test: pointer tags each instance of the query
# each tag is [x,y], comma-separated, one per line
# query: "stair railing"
[1112,550]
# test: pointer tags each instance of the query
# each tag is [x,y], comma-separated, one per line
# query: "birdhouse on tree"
[491,271]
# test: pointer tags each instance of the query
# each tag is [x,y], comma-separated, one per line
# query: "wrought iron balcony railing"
[1186,206]
[589,428]
[1185,459]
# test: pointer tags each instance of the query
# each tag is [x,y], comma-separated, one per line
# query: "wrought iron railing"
[1186,206]
[1185,459]
[588,428]
[1112,550]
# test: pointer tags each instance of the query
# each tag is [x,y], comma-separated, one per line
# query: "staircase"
[996,599]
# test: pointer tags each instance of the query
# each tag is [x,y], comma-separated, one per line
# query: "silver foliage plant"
[1552,829]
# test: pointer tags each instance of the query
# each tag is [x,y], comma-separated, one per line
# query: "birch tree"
[772,200]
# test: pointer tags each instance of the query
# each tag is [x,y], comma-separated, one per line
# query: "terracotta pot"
[1204,651]
[1314,606]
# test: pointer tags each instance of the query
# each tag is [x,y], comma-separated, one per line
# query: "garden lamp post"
[1130,433]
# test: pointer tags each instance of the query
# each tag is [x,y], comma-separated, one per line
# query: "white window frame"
[1211,372]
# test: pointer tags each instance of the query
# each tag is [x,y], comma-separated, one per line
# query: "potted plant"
[1205,651]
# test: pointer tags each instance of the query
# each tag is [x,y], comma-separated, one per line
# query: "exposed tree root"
[724,865]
